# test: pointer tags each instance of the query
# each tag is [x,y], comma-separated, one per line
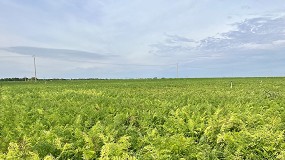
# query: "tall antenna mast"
[177,70]
[35,68]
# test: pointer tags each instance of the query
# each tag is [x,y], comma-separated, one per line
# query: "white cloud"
[279,42]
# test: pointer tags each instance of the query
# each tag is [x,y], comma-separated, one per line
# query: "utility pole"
[35,68]
[177,70]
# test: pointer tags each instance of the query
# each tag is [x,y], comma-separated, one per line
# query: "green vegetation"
[143,119]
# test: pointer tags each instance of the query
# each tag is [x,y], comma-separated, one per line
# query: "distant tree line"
[54,79]
[46,79]
[15,79]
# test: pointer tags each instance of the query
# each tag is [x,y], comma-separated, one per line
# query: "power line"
[123,64]
[127,64]
[119,64]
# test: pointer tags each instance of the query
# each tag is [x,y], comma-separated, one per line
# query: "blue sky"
[142,38]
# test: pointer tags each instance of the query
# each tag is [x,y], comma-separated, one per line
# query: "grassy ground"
[143,119]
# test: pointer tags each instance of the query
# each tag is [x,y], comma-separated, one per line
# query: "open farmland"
[143,119]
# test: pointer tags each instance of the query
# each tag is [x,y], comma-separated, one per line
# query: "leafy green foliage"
[143,119]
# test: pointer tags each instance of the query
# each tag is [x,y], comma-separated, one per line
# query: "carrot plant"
[143,119]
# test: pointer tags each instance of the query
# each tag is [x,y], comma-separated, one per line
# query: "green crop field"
[143,119]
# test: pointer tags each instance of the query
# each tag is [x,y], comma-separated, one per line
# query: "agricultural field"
[143,119]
